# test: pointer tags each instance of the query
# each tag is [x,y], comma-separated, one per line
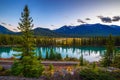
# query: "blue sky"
[53,14]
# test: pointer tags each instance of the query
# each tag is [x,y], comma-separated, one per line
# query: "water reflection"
[89,53]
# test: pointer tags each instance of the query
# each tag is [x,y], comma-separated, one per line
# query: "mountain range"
[4,30]
[84,30]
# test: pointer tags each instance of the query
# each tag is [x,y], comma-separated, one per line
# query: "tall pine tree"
[28,66]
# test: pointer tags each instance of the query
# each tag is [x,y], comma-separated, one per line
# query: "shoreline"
[57,46]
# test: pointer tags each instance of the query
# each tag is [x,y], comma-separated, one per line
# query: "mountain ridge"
[72,31]
[90,30]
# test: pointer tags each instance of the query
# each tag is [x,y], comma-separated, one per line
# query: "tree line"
[49,41]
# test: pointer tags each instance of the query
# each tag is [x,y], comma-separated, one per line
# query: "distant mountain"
[89,30]
[4,30]
[85,30]
[45,32]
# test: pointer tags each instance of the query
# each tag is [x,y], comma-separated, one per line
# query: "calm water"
[89,53]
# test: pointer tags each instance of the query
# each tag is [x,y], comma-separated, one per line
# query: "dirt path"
[7,64]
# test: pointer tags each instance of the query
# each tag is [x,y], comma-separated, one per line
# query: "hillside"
[4,30]
[84,30]
[89,30]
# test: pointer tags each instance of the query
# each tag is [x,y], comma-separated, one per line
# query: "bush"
[71,59]
[16,69]
[116,62]
[7,72]
[51,67]
[28,67]
[89,74]
[1,68]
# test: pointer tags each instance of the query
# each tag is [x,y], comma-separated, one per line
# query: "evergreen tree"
[28,66]
[109,55]
[81,60]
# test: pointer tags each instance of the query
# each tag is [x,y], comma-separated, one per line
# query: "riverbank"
[61,71]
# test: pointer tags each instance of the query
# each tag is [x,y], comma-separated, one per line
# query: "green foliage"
[93,65]
[109,55]
[51,67]
[67,58]
[32,67]
[51,41]
[89,74]
[17,68]
[28,66]
[81,60]
[1,68]
[116,62]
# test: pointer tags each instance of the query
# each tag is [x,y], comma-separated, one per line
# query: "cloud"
[105,19]
[109,19]
[3,23]
[80,21]
[9,24]
[116,18]
[87,19]
[52,25]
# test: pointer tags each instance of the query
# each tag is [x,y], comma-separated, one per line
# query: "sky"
[53,14]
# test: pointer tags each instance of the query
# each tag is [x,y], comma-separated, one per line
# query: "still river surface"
[89,53]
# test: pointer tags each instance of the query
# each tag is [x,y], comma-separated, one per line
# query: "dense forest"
[51,41]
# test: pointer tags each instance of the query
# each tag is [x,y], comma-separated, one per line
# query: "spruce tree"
[28,66]
[81,60]
[109,55]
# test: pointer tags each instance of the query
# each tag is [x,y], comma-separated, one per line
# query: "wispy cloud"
[109,19]
[105,19]
[3,23]
[9,24]
[80,21]
[52,25]
[87,19]
[116,18]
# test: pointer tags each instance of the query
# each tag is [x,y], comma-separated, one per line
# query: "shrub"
[16,69]
[30,68]
[1,68]
[93,65]
[81,60]
[116,62]
[89,74]
[51,67]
